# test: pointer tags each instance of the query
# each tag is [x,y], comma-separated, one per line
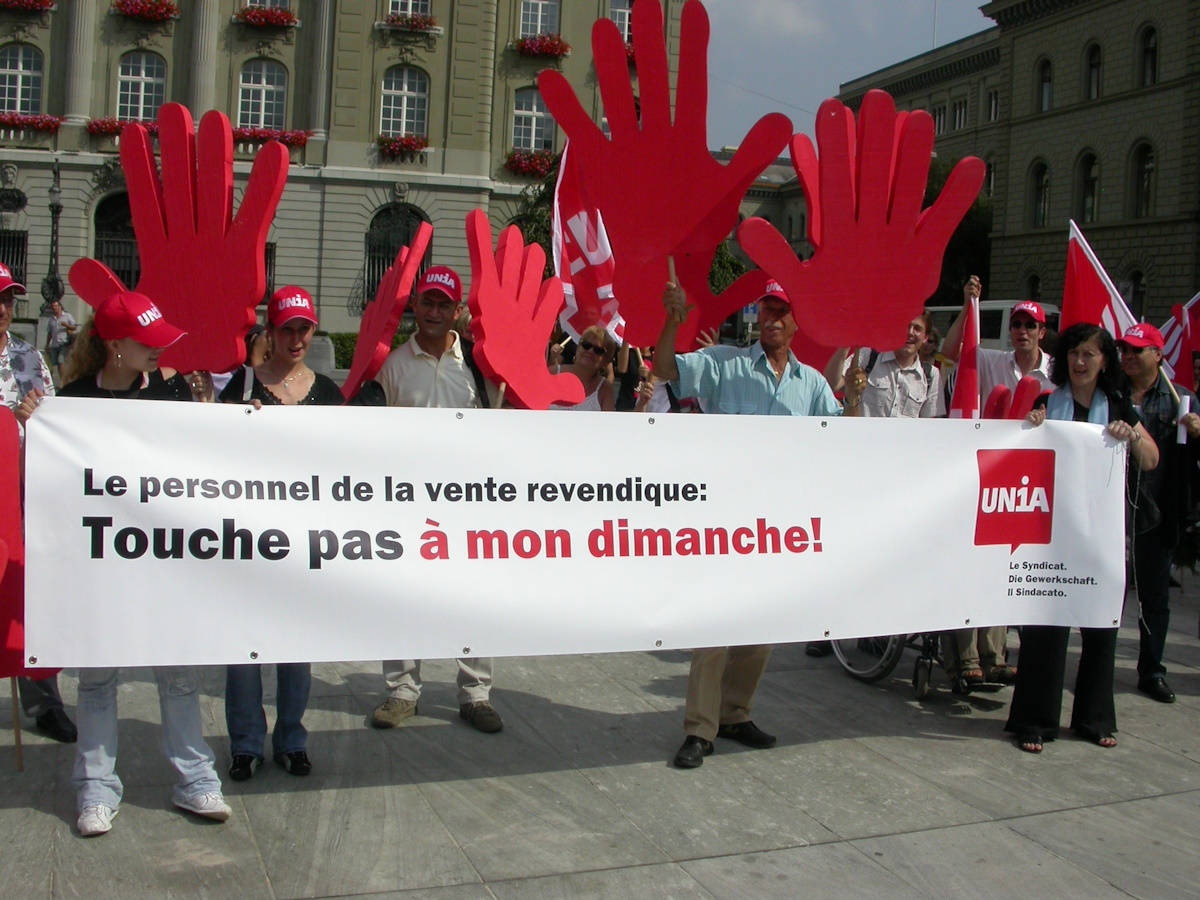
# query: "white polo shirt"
[412,377]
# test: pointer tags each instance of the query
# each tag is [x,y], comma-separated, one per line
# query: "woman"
[596,348]
[283,380]
[118,358]
[1086,372]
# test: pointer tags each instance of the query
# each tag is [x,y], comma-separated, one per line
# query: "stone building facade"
[342,74]
[1083,109]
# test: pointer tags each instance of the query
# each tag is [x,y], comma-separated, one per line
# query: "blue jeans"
[244,709]
[95,779]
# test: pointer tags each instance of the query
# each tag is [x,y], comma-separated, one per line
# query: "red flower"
[395,146]
[543,45]
[27,122]
[147,10]
[111,126]
[262,135]
[266,17]
[533,163]
[27,5]
[411,21]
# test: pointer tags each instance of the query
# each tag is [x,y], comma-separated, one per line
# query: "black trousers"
[1041,670]
[1152,569]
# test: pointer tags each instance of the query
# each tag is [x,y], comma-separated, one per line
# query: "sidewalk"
[869,793]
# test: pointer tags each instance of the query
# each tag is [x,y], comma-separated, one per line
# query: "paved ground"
[869,793]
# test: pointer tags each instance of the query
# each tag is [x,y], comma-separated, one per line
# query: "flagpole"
[17,752]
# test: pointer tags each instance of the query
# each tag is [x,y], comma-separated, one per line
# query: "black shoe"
[818,648]
[244,765]
[55,724]
[294,763]
[747,733]
[691,754]
[1158,689]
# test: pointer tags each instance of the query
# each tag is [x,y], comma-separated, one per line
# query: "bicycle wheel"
[870,659]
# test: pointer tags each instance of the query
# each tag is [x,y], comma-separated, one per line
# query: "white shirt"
[1000,367]
[900,392]
[412,377]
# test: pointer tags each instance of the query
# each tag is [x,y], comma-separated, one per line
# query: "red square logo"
[1016,497]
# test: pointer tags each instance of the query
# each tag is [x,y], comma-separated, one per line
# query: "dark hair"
[1111,377]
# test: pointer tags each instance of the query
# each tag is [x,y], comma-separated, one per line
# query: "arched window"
[393,227]
[1092,85]
[20,79]
[1040,194]
[539,17]
[141,86]
[989,178]
[263,98]
[619,12]
[533,128]
[1089,188]
[1142,172]
[116,245]
[405,102]
[1033,288]
[1148,57]
[1045,86]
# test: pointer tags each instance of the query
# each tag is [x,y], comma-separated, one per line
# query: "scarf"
[1061,406]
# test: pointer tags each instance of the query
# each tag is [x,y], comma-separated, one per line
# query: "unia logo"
[441,278]
[293,301]
[150,315]
[1016,497]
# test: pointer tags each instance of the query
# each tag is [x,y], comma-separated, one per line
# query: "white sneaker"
[211,806]
[94,820]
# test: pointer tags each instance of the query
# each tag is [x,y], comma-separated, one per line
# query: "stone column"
[318,114]
[201,86]
[81,59]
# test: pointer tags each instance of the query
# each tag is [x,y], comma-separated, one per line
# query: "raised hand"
[655,181]
[512,316]
[382,315]
[203,267]
[878,255]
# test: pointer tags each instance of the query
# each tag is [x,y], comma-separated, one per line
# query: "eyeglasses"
[598,349]
[1023,325]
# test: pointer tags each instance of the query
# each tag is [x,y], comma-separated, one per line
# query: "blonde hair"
[88,354]
[599,334]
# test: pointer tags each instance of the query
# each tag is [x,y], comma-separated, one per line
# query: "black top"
[157,388]
[1119,409]
[324,391]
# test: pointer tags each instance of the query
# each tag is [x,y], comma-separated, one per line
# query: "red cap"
[1143,335]
[1034,310]
[132,315]
[291,302]
[6,280]
[443,279]
[775,292]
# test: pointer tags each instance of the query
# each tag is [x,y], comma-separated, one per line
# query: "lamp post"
[52,285]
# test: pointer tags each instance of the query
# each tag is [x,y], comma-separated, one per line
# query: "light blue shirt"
[740,381]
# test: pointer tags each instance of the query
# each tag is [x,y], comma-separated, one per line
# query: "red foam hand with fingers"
[382,315]
[655,181]
[878,253]
[204,267]
[711,309]
[1005,404]
[512,316]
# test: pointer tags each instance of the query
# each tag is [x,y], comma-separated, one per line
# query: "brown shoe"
[481,716]
[392,711]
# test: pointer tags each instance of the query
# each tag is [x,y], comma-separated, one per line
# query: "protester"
[631,370]
[765,379]
[900,384]
[118,359]
[60,335]
[1086,373]
[595,351]
[258,346]
[435,369]
[1165,498]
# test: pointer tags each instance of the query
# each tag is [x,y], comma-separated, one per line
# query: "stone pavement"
[869,793]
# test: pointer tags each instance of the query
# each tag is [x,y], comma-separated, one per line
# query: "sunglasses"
[598,349]
[1129,348]
[1023,324]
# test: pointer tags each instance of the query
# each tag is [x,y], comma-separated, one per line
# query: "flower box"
[551,45]
[629,52]
[397,146]
[262,135]
[531,163]
[267,17]
[111,126]
[147,10]
[411,21]
[33,6]
[28,122]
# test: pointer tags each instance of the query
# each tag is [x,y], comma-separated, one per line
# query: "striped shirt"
[740,381]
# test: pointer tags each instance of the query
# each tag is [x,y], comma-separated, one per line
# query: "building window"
[533,129]
[393,227]
[405,102]
[14,252]
[1133,292]
[263,95]
[960,114]
[939,118]
[993,99]
[1092,88]
[269,265]
[1045,95]
[1033,288]
[619,11]
[1040,185]
[410,7]
[1148,54]
[989,178]
[1089,188]
[116,245]
[141,86]
[268,4]
[539,17]
[20,79]
[1143,181]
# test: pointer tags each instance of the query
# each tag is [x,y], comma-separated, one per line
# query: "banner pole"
[17,753]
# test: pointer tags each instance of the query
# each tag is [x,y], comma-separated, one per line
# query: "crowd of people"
[1090,377]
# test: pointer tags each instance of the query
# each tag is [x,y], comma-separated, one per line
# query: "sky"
[790,55]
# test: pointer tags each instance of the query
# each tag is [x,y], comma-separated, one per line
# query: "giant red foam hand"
[655,181]
[878,254]
[711,309]
[512,316]
[382,315]
[202,266]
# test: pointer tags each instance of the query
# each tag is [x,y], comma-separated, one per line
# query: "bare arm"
[675,302]
[952,345]
[833,369]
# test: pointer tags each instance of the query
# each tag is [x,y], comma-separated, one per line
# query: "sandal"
[1107,741]
[973,675]
[1004,675]
[1030,743]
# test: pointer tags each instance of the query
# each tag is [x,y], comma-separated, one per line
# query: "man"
[59,336]
[765,379]
[1165,495]
[900,385]
[434,369]
[22,371]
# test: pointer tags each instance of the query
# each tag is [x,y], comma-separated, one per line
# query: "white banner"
[189,533]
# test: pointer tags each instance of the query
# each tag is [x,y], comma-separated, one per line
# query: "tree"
[535,213]
[969,250]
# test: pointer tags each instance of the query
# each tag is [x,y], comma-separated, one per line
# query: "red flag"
[583,258]
[1089,294]
[964,404]
[1181,336]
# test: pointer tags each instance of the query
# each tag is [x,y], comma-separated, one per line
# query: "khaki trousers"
[721,687]
[967,648]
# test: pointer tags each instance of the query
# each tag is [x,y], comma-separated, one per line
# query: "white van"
[993,321]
